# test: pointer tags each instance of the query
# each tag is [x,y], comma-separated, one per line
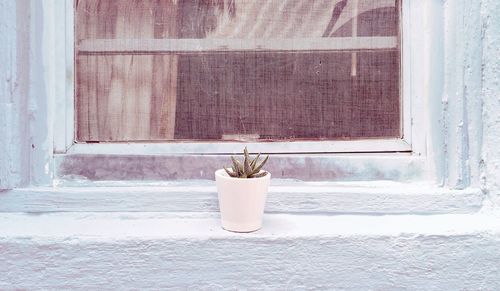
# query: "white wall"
[25,141]
[490,96]
[413,260]
[214,261]
[14,89]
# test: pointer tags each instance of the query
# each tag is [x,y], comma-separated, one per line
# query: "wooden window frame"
[414,134]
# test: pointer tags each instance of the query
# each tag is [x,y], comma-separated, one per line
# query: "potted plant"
[242,192]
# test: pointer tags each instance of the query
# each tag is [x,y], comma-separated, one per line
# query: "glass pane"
[237,69]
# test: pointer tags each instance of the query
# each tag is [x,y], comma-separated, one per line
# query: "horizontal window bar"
[149,148]
[133,46]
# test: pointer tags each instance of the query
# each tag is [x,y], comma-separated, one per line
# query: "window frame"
[448,45]
[413,143]
[445,61]
[65,141]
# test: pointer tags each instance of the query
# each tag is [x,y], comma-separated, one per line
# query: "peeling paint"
[14,83]
[490,157]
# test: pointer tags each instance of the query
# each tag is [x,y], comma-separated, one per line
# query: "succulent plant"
[249,168]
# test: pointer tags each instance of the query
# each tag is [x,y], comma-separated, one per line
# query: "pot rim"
[221,173]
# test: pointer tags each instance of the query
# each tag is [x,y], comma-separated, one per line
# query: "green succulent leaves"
[249,168]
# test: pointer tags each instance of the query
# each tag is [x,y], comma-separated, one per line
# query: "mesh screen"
[237,70]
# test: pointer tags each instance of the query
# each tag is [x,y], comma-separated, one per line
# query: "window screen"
[262,70]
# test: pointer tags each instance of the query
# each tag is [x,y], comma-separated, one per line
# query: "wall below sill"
[191,251]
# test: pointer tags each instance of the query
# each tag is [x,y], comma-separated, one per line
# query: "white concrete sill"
[77,227]
[285,196]
[188,251]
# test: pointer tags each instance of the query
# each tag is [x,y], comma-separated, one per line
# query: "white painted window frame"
[64,95]
[60,42]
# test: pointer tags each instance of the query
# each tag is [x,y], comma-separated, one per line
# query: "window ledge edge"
[293,197]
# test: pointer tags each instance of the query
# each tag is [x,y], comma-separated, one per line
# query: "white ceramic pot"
[241,201]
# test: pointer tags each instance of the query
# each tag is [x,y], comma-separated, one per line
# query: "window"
[238,70]
[428,74]
[103,130]
[433,41]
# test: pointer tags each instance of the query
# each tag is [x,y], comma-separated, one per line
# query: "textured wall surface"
[25,143]
[189,252]
[355,263]
[14,70]
[491,98]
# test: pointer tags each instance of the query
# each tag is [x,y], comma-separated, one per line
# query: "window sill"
[285,196]
[152,226]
